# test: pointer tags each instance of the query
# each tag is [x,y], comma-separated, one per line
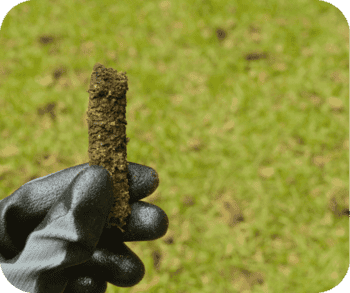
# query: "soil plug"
[107,135]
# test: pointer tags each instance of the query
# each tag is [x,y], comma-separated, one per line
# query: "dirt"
[106,118]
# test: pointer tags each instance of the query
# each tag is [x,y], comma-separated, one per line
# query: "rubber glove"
[53,236]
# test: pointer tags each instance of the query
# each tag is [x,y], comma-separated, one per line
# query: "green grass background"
[241,107]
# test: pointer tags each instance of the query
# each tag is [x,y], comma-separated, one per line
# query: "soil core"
[107,135]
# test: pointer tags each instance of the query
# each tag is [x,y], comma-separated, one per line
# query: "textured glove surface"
[53,236]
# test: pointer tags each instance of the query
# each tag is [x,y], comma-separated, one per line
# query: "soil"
[107,135]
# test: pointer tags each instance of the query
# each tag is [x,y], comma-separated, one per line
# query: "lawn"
[242,107]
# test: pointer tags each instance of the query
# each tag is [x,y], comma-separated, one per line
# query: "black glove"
[53,237]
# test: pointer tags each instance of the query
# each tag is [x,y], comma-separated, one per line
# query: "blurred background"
[240,106]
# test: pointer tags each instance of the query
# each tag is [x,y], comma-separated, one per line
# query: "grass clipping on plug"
[107,135]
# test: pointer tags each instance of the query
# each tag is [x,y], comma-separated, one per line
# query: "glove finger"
[116,264]
[145,223]
[86,284]
[143,181]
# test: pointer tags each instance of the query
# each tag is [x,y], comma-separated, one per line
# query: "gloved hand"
[53,237]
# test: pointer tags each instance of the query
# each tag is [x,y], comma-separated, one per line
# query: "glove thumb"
[67,236]
[80,214]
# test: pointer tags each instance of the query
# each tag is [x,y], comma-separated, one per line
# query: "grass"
[241,107]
